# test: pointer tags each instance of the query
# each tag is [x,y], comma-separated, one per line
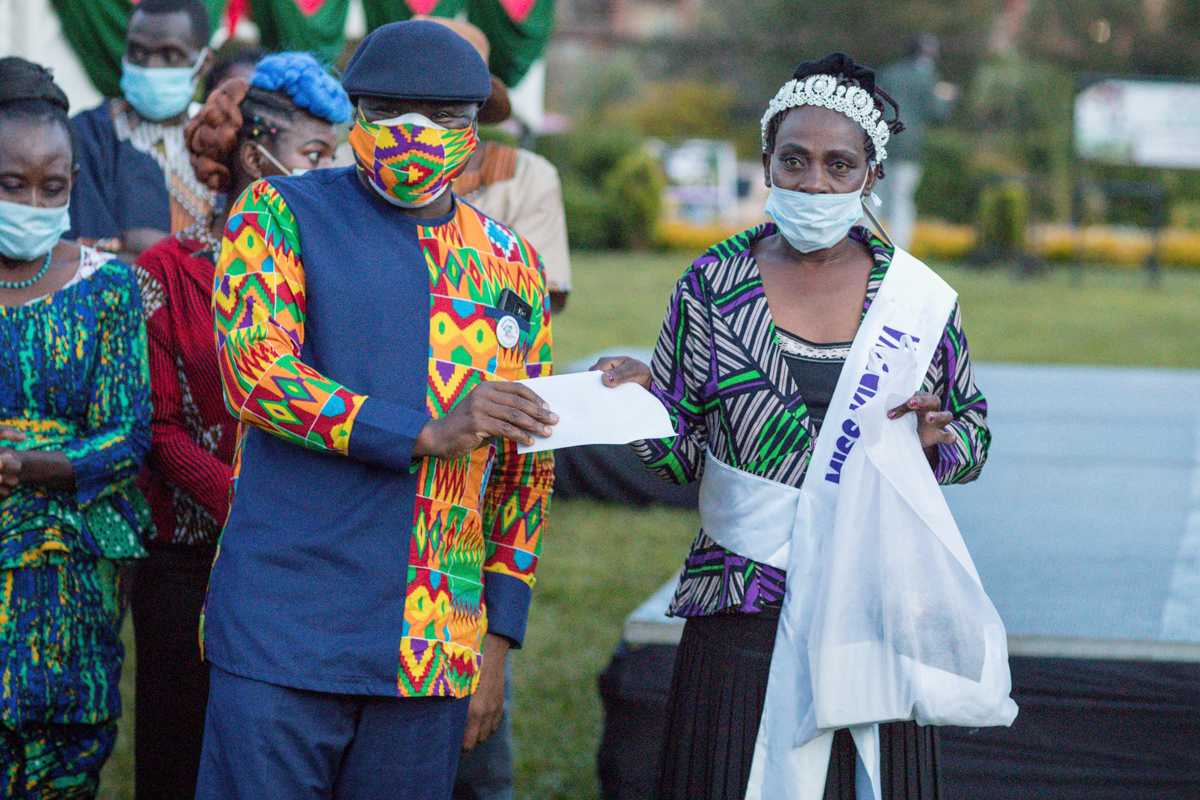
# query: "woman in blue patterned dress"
[750,353]
[74,428]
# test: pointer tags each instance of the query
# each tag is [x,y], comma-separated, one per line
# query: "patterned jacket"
[719,369]
[344,325]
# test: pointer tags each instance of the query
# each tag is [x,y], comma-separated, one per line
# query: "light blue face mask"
[27,232]
[812,222]
[159,93]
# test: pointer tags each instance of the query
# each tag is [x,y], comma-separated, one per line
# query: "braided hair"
[847,74]
[240,111]
[28,92]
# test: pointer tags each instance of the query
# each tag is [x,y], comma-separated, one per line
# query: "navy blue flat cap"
[418,60]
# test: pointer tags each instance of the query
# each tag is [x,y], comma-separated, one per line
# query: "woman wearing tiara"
[751,351]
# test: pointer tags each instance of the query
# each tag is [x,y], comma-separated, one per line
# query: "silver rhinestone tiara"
[823,90]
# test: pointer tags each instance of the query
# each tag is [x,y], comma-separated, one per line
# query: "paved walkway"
[1086,521]
[1085,525]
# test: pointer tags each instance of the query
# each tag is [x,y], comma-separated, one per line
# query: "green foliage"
[1020,128]
[781,33]
[589,152]
[691,109]
[950,185]
[634,193]
[590,218]
[599,77]
[556,148]
[1116,36]
[1063,33]
[597,149]
[1003,216]
[494,133]
[1185,214]
[612,190]
[1180,188]
[1017,94]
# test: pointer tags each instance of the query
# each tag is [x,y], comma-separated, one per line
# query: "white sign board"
[1141,123]
[702,178]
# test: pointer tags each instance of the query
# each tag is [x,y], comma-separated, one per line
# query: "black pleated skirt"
[716,701]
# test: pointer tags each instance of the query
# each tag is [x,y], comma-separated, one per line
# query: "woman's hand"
[10,461]
[10,471]
[931,420]
[622,369]
[493,409]
[49,468]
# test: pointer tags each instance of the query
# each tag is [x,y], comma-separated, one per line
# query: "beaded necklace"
[201,233]
[31,281]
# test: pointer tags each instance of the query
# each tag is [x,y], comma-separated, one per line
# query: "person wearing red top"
[278,123]
[187,477]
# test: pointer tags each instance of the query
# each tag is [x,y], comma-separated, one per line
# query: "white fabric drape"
[798,529]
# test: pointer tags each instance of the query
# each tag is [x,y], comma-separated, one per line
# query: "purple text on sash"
[868,385]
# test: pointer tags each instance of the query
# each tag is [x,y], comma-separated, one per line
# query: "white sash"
[783,526]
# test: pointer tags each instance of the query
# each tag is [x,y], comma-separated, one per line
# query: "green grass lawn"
[1077,315]
[600,562]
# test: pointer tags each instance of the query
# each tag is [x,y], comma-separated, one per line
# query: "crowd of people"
[269,402]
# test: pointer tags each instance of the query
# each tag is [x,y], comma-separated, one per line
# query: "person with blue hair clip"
[279,122]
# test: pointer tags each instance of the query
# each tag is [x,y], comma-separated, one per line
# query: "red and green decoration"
[518,30]
[313,26]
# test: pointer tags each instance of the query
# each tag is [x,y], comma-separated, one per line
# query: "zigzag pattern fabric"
[411,163]
[721,373]
[259,305]
[481,514]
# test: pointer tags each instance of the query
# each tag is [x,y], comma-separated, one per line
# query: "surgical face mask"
[27,232]
[409,160]
[812,222]
[159,93]
[275,161]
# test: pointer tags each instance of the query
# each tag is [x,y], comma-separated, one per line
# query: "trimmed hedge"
[612,189]
[938,240]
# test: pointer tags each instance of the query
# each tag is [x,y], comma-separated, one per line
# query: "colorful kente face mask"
[409,160]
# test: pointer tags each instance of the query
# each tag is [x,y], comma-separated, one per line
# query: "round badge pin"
[508,331]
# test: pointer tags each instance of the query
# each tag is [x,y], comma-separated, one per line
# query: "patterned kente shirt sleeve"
[477,259]
[259,303]
[514,512]
[952,379]
[116,433]
[678,367]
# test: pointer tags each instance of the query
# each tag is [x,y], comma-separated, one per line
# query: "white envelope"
[591,413]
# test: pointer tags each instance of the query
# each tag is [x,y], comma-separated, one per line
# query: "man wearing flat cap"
[379,554]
